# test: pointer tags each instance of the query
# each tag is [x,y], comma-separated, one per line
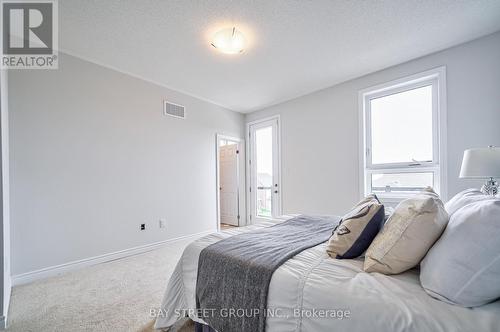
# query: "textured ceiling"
[295,47]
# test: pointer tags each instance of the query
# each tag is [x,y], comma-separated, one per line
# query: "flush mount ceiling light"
[229,41]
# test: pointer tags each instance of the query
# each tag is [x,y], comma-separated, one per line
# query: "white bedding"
[313,280]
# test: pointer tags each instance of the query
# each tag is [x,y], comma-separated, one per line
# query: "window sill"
[394,198]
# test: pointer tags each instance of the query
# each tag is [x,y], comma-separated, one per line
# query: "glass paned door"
[264,175]
[264,169]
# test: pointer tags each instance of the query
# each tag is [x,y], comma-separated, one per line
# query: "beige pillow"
[357,229]
[408,234]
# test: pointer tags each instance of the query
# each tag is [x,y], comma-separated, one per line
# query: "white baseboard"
[6,304]
[24,278]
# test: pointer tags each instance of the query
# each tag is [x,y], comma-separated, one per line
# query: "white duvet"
[313,292]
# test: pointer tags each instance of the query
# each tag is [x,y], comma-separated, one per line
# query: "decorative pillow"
[463,198]
[407,235]
[357,229]
[463,267]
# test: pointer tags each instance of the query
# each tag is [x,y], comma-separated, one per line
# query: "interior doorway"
[228,182]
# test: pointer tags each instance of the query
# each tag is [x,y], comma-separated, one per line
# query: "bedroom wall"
[320,131]
[93,157]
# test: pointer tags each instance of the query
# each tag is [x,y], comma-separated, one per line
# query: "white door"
[264,164]
[228,168]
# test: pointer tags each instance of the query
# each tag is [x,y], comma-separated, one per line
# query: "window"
[403,129]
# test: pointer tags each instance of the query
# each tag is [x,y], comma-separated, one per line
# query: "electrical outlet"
[143,227]
[162,223]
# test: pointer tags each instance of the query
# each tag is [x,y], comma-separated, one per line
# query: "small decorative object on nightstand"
[482,163]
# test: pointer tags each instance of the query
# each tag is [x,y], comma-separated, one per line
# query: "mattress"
[313,292]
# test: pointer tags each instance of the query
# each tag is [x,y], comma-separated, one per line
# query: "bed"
[313,292]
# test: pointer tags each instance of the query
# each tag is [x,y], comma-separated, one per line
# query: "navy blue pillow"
[357,229]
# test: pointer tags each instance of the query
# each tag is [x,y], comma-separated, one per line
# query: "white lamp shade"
[481,163]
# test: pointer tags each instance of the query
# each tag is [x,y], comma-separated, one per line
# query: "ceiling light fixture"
[229,41]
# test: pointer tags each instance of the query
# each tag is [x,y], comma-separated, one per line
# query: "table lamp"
[482,163]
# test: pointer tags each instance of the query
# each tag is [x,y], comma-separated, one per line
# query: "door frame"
[240,143]
[251,218]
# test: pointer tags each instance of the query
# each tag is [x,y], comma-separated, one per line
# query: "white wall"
[320,130]
[92,157]
[5,279]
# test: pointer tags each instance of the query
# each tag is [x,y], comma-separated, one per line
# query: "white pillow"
[463,198]
[407,235]
[463,267]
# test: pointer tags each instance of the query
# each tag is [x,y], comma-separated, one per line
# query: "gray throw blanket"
[235,273]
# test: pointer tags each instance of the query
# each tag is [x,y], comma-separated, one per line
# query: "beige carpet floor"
[114,296]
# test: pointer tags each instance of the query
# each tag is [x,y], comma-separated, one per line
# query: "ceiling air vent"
[174,110]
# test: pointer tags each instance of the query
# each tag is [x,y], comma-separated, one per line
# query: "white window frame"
[435,77]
